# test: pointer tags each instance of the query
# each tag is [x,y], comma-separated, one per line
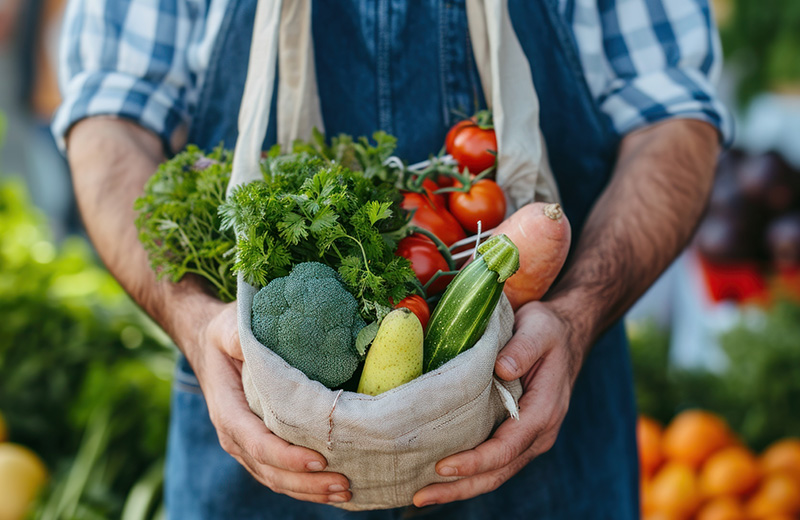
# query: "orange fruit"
[730,471]
[779,493]
[660,515]
[674,490]
[22,475]
[783,456]
[648,436]
[694,435]
[722,508]
[646,496]
[780,516]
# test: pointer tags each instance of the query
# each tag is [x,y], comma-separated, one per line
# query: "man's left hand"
[546,354]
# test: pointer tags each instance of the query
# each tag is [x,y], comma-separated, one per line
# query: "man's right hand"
[282,467]
[111,160]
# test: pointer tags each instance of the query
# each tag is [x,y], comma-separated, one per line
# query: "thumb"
[224,332]
[525,348]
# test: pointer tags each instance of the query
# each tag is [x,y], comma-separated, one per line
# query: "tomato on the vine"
[416,304]
[426,261]
[472,146]
[438,221]
[439,199]
[485,201]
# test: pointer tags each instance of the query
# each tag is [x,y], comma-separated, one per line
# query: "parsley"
[179,224]
[335,204]
[312,209]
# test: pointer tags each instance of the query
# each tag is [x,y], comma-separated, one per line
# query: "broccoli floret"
[310,320]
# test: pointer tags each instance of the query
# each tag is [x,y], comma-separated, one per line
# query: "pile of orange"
[697,469]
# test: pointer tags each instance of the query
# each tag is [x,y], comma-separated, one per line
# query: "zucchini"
[463,313]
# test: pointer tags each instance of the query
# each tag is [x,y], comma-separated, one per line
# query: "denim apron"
[406,68]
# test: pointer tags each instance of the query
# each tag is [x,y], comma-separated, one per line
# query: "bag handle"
[522,166]
[282,37]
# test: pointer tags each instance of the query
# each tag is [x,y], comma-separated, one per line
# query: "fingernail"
[337,498]
[447,471]
[335,488]
[314,466]
[508,364]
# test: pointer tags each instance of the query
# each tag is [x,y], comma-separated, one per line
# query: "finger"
[225,332]
[282,481]
[247,434]
[543,406]
[511,439]
[468,487]
[241,431]
[322,499]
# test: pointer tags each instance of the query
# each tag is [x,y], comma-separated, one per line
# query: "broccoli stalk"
[310,320]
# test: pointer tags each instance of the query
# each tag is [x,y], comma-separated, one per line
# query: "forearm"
[111,160]
[641,222]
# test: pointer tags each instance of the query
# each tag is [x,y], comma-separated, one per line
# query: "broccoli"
[310,320]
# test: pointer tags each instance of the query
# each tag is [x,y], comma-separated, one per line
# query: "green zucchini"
[463,313]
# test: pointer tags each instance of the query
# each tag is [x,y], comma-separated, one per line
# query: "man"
[632,129]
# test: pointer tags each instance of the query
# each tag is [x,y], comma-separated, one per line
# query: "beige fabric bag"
[386,445]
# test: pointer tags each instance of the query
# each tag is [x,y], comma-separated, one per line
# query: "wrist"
[580,315]
[185,312]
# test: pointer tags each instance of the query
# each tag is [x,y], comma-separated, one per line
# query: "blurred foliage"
[762,39]
[757,393]
[84,376]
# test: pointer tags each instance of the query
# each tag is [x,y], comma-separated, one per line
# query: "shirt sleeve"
[124,58]
[651,60]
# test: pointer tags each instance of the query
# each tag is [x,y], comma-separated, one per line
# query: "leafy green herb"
[310,209]
[179,224]
[356,155]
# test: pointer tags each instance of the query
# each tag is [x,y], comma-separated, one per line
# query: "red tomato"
[471,146]
[449,140]
[484,201]
[426,261]
[417,304]
[445,181]
[439,200]
[438,221]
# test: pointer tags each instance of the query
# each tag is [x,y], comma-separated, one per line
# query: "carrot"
[542,233]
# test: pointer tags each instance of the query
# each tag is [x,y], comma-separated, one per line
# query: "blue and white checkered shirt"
[644,60]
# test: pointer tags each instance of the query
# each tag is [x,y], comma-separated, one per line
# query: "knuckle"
[257,452]
[507,454]
[268,479]
[227,444]
[496,481]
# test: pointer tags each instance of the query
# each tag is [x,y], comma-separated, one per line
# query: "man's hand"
[282,467]
[641,222]
[543,351]
[111,160]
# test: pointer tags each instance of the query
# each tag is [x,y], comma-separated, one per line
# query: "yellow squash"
[395,357]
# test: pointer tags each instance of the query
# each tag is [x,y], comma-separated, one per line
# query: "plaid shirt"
[144,60]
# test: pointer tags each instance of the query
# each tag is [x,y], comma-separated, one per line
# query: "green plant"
[311,321]
[308,211]
[762,38]
[79,364]
[179,224]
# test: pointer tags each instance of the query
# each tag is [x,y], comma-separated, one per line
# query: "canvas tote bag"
[387,445]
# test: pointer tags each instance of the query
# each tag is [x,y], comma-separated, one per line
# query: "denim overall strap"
[581,143]
[403,66]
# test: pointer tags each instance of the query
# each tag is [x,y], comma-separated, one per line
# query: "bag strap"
[282,37]
[522,166]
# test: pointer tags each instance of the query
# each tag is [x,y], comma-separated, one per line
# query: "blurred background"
[85,376]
